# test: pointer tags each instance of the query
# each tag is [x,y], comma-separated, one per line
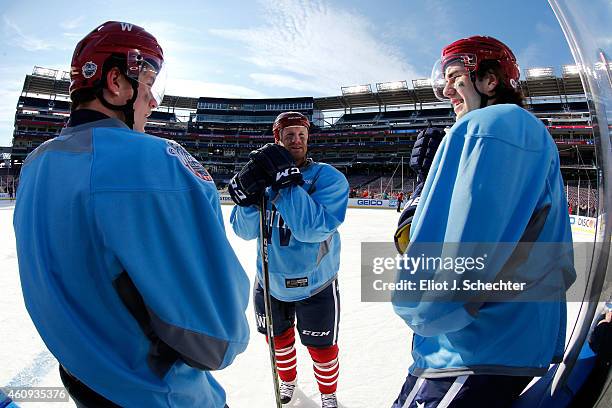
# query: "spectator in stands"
[495,179]
[365,194]
[385,196]
[139,304]
[352,193]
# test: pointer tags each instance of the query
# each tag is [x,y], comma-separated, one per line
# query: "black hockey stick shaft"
[263,238]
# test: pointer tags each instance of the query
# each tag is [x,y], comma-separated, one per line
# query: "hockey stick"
[263,238]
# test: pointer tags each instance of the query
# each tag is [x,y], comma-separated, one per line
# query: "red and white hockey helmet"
[287,119]
[471,52]
[140,49]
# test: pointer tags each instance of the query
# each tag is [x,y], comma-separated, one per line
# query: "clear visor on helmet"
[446,71]
[150,72]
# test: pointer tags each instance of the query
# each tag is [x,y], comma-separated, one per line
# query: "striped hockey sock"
[326,367]
[286,357]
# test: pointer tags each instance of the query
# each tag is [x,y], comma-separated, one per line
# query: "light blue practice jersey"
[496,169]
[304,248]
[125,267]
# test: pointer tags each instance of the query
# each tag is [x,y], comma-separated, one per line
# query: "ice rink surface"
[374,343]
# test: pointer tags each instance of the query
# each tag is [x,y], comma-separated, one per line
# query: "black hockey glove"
[422,155]
[287,178]
[279,166]
[247,186]
[424,151]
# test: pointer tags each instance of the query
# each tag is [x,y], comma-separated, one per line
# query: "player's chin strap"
[127,109]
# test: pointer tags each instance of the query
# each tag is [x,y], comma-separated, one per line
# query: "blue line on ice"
[35,372]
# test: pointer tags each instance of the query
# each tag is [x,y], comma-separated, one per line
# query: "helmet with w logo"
[138,49]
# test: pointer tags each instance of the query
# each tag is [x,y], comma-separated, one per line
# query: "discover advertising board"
[583,224]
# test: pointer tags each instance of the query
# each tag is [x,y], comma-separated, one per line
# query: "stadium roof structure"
[179,102]
[330,102]
[47,81]
[539,82]
[543,82]
[394,93]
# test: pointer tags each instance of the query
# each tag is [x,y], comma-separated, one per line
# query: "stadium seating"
[365,137]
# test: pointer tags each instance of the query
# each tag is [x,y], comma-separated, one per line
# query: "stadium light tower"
[44,72]
[570,70]
[391,86]
[356,89]
[540,72]
[421,83]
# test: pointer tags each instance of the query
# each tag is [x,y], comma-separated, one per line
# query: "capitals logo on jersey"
[187,160]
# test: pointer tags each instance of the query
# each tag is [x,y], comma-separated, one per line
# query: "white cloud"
[196,88]
[282,81]
[314,47]
[15,36]
[74,37]
[545,29]
[72,23]
[529,57]
[172,37]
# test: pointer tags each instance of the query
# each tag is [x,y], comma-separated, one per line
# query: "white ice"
[374,343]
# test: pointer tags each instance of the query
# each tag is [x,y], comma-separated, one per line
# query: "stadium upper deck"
[362,132]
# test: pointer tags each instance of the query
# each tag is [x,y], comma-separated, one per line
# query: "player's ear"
[113,81]
[489,83]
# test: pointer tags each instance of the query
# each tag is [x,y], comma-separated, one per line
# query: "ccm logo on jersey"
[316,333]
[287,172]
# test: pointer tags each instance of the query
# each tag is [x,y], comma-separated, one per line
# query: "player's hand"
[287,178]
[247,186]
[424,150]
[278,165]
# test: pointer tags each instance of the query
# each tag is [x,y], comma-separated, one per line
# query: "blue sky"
[272,48]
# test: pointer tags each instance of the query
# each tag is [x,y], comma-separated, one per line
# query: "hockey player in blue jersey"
[494,179]
[125,267]
[307,202]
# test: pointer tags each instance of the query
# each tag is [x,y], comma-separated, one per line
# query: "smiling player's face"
[460,89]
[295,139]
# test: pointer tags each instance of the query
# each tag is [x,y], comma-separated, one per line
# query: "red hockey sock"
[326,367]
[286,357]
